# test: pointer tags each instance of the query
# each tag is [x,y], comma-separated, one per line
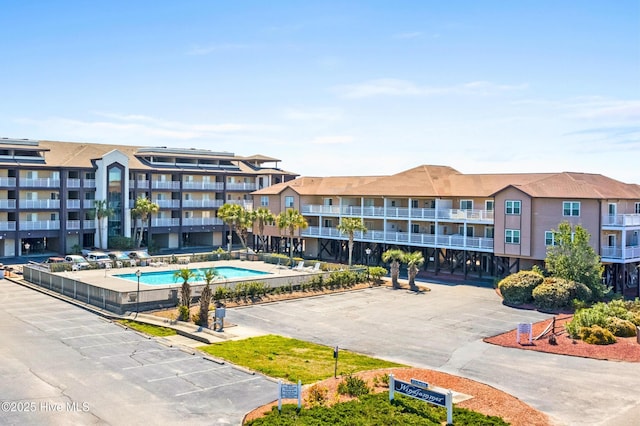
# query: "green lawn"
[152,330]
[291,359]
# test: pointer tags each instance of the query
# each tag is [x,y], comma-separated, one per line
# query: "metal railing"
[621,220]
[484,216]
[39,225]
[619,253]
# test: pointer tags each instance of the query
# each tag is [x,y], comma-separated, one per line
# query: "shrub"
[318,396]
[353,386]
[596,335]
[551,294]
[585,318]
[621,327]
[377,272]
[634,317]
[117,242]
[221,293]
[195,318]
[615,308]
[517,288]
[183,313]
[381,380]
[633,305]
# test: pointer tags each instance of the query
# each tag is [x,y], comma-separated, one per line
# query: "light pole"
[368,252]
[138,274]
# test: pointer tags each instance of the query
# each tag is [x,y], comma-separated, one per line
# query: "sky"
[334,88]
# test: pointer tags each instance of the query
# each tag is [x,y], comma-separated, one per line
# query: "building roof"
[444,181]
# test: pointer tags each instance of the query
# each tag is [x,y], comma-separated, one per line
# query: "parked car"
[55,260]
[121,259]
[77,261]
[101,258]
[141,257]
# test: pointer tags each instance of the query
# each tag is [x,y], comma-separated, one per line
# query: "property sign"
[287,391]
[524,328]
[419,383]
[432,397]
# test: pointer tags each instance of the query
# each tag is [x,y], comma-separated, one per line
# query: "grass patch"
[375,410]
[152,330]
[292,359]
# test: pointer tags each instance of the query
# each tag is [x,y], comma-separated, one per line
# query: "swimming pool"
[166,277]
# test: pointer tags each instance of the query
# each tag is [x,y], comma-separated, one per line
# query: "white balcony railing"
[619,253]
[622,220]
[7,225]
[247,204]
[73,204]
[7,204]
[73,224]
[89,183]
[165,222]
[427,240]
[88,204]
[8,181]
[39,225]
[164,184]
[73,183]
[201,203]
[41,183]
[39,204]
[216,186]
[484,216]
[201,221]
[142,184]
[242,186]
[89,224]
[164,204]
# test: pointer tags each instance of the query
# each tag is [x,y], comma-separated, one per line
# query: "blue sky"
[335,88]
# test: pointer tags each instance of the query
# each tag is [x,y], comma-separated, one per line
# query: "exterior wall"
[521,222]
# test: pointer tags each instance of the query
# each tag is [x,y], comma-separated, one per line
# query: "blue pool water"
[166,277]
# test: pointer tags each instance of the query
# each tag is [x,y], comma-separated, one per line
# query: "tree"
[394,257]
[205,298]
[102,211]
[414,261]
[263,216]
[572,258]
[143,209]
[233,216]
[184,274]
[245,222]
[291,220]
[349,226]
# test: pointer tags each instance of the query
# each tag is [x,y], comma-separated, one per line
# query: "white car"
[77,261]
[100,258]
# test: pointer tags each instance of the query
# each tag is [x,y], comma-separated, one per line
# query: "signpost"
[287,391]
[423,394]
[335,368]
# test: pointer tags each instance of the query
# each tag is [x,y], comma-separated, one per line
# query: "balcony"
[215,186]
[39,225]
[201,203]
[244,186]
[88,204]
[73,183]
[449,215]
[165,222]
[170,204]
[201,221]
[73,204]
[73,224]
[162,184]
[89,183]
[8,181]
[619,254]
[140,184]
[425,240]
[7,204]
[89,224]
[39,204]
[620,221]
[7,225]
[41,183]
[247,204]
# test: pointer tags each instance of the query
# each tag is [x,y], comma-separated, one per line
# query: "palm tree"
[395,258]
[230,214]
[185,274]
[291,220]
[102,211]
[143,209]
[263,216]
[349,226]
[414,261]
[205,298]
[245,221]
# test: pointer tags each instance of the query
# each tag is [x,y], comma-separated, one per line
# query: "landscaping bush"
[597,335]
[551,294]
[621,327]
[117,242]
[183,313]
[634,317]
[353,386]
[585,318]
[318,396]
[221,293]
[377,272]
[516,289]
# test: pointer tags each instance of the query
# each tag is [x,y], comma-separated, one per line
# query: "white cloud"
[397,87]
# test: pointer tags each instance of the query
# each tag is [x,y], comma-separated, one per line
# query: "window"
[637,208]
[469,231]
[570,208]
[264,200]
[466,204]
[488,232]
[328,223]
[549,238]
[513,207]
[327,201]
[488,205]
[288,201]
[512,236]
[415,228]
[414,204]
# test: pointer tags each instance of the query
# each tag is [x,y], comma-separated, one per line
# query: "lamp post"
[138,274]
[368,252]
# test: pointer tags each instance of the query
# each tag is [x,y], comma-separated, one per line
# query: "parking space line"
[162,363]
[177,376]
[128,354]
[91,335]
[110,344]
[220,386]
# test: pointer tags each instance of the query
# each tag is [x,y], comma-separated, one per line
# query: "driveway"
[443,330]
[63,365]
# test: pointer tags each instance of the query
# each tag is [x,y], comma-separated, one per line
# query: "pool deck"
[105,277]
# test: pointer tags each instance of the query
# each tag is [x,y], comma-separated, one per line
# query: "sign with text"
[419,383]
[417,392]
[287,391]
[524,328]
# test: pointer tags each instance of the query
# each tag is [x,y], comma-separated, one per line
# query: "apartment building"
[472,224]
[48,192]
